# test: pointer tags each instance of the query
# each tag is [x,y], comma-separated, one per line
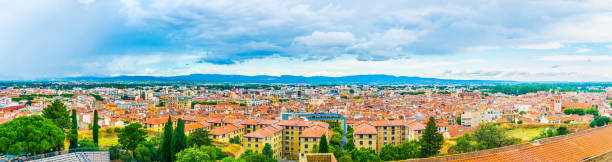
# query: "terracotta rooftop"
[224,130]
[574,148]
[364,128]
[264,132]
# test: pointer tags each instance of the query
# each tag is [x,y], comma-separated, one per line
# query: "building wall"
[291,141]
[307,143]
[365,140]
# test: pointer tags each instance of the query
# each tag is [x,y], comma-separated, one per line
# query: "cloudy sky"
[508,40]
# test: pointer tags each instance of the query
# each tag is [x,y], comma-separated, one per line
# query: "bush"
[117,129]
[115,152]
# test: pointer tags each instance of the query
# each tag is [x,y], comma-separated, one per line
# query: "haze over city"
[492,40]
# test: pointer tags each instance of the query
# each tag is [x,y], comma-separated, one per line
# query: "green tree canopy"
[465,144]
[323,148]
[365,154]
[131,136]
[198,138]
[147,151]
[95,127]
[179,140]
[488,136]
[32,134]
[86,143]
[166,147]
[74,132]
[432,140]
[599,121]
[409,149]
[195,155]
[58,113]
[267,150]
[389,152]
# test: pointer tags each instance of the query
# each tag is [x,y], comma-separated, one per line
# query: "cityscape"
[305,81]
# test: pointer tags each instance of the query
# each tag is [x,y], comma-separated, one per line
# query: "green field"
[525,133]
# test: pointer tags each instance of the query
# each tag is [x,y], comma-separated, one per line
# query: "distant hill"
[221,78]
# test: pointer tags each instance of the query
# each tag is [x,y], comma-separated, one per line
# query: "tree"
[458,120]
[562,130]
[147,151]
[166,147]
[231,159]
[74,133]
[179,140]
[345,158]
[522,112]
[31,134]
[389,152]
[267,150]
[235,140]
[250,156]
[409,149]
[194,155]
[114,152]
[95,128]
[131,136]
[365,154]
[198,138]
[431,141]
[86,143]
[464,144]
[599,121]
[58,113]
[592,110]
[336,150]
[323,148]
[315,149]
[350,145]
[519,122]
[488,136]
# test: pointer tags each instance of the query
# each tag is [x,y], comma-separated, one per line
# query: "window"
[305,145]
[249,145]
[370,142]
[306,139]
[360,143]
[256,146]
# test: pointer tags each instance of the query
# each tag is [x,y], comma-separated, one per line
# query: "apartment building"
[291,135]
[311,136]
[224,133]
[474,117]
[364,135]
[257,140]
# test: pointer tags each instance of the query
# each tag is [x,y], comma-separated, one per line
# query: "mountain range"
[222,78]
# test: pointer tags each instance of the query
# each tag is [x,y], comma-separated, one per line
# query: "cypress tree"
[74,133]
[166,147]
[432,140]
[267,150]
[179,140]
[95,127]
[323,148]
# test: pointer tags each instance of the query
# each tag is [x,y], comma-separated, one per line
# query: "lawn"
[525,133]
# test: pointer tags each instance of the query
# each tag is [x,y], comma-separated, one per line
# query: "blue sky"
[508,40]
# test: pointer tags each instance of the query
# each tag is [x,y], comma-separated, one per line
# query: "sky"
[544,40]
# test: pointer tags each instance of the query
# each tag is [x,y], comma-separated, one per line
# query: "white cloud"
[571,58]
[327,39]
[583,50]
[589,27]
[543,46]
